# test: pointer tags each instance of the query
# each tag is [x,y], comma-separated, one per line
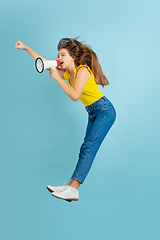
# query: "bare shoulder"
[84,71]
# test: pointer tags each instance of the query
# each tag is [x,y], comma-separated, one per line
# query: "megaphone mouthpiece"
[58,63]
[41,64]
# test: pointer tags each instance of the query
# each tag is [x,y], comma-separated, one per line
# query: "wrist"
[59,79]
[26,48]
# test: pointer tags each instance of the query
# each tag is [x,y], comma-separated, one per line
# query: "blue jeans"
[101,116]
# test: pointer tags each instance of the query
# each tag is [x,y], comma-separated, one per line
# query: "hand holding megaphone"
[41,64]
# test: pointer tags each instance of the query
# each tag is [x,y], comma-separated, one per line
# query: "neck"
[71,68]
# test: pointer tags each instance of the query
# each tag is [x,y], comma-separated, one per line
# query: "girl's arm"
[35,55]
[30,51]
[73,92]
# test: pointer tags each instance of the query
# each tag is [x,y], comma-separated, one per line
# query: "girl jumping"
[82,71]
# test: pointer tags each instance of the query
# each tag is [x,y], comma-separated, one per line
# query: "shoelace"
[59,188]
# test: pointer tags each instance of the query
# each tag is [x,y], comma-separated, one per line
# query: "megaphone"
[41,64]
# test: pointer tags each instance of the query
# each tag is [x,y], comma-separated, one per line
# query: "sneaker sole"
[69,199]
[49,189]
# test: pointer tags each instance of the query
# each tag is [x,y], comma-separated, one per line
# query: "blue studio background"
[42,129]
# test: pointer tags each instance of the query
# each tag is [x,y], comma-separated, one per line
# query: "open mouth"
[61,64]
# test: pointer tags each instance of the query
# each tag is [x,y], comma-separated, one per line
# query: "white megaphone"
[41,64]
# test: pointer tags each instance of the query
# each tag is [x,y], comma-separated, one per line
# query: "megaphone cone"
[41,64]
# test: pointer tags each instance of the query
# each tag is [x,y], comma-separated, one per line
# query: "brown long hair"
[83,54]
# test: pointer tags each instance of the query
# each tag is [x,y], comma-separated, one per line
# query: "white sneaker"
[57,189]
[69,194]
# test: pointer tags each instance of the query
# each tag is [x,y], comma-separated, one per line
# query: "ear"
[73,59]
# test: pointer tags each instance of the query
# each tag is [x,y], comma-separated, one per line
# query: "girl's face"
[66,60]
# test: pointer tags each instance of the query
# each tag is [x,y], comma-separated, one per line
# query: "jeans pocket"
[99,106]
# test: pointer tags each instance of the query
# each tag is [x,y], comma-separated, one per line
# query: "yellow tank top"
[91,92]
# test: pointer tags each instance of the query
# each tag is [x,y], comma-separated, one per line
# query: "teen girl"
[82,71]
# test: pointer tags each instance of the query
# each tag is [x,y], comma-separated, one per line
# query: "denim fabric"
[101,116]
